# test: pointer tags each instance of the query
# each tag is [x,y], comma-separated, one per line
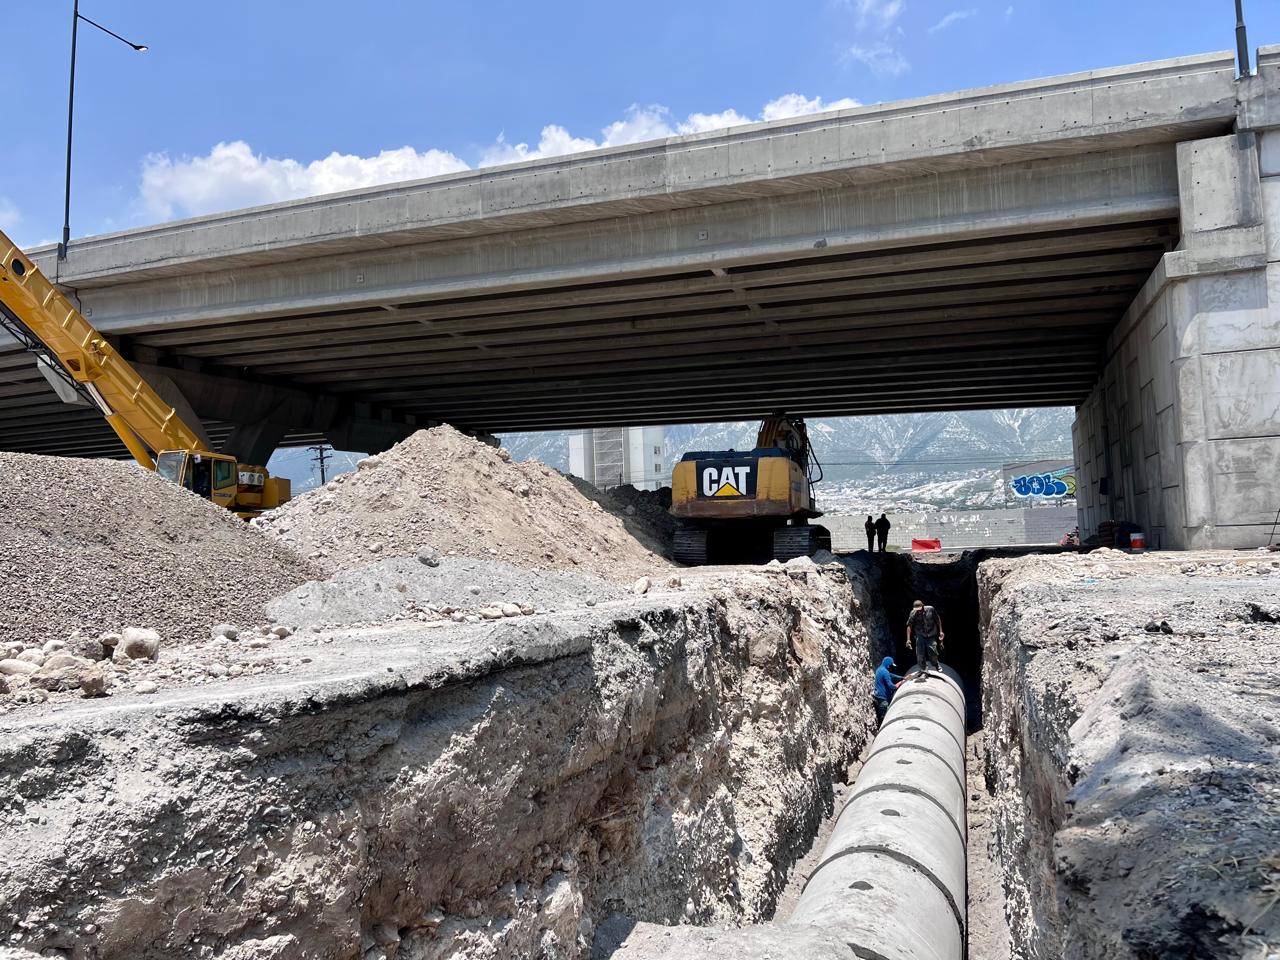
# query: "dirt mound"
[98,545]
[643,512]
[442,489]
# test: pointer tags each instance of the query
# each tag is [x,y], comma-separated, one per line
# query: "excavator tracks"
[802,540]
[689,546]
[747,543]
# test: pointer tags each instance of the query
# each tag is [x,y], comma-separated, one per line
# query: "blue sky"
[246,101]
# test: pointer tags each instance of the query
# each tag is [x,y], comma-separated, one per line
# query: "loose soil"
[445,490]
[1132,721]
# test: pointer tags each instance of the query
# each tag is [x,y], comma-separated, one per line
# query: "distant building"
[612,456]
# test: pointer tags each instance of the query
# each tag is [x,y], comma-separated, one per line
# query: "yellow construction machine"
[751,505]
[79,362]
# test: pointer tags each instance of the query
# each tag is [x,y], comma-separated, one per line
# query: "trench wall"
[500,792]
[1130,725]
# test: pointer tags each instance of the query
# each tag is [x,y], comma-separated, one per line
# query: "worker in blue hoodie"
[886,686]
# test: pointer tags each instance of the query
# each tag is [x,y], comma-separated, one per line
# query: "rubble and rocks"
[405,588]
[1136,770]
[467,790]
[93,546]
[449,492]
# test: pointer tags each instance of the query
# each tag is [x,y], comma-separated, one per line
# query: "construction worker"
[882,531]
[886,686]
[925,636]
[871,534]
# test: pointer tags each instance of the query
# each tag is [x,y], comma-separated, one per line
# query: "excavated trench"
[504,790]
[647,778]
[891,582]
[556,787]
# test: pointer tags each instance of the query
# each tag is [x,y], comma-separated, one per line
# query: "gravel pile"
[444,490]
[94,546]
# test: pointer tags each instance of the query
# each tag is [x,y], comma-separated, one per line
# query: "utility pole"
[322,453]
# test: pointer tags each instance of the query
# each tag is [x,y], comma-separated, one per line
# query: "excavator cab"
[211,476]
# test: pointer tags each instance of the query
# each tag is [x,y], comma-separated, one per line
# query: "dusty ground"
[93,546]
[452,587]
[488,789]
[1133,737]
[989,937]
[445,490]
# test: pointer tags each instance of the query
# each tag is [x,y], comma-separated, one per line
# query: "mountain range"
[905,461]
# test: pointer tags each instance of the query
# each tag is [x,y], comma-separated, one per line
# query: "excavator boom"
[47,323]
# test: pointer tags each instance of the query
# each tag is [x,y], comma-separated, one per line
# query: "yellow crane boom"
[144,422]
[80,359]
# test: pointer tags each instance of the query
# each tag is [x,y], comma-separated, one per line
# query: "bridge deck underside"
[1014,320]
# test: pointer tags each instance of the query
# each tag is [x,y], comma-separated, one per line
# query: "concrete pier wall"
[1181,435]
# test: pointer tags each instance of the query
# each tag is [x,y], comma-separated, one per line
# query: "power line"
[323,452]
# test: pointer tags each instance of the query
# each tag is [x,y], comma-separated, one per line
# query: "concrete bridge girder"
[261,415]
[968,206]
[974,249]
[1115,108]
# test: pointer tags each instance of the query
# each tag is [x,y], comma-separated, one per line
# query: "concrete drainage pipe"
[891,882]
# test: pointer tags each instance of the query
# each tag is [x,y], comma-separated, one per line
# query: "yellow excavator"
[79,362]
[752,505]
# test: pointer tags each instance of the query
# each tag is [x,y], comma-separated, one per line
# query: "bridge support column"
[1182,434]
[265,413]
[255,442]
[365,431]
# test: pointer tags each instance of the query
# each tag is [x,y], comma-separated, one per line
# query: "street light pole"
[1242,40]
[76,17]
[71,106]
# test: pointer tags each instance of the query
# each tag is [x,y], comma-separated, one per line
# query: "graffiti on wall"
[1057,483]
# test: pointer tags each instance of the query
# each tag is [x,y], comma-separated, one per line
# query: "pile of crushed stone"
[93,546]
[444,490]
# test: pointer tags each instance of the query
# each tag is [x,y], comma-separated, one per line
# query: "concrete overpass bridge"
[1107,240]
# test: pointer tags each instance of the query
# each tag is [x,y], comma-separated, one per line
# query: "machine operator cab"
[211,476]
[220,478]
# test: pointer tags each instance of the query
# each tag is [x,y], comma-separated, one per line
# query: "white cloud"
[880,58]
[796,105]
[555,141]
[1008,11]
[231,175]
[878,13]
[953,17]
[702,122]
[10,216]
[654,122]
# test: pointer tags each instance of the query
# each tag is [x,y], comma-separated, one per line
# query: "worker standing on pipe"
[886,686]
[924,633]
